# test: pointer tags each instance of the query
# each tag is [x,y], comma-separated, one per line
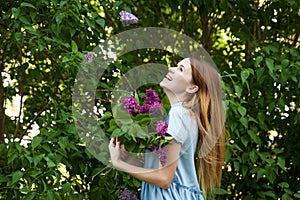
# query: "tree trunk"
[2,108]
[205,31]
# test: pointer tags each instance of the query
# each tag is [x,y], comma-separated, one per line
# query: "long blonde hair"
[207,106]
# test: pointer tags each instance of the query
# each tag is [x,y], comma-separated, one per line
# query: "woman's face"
[179,78]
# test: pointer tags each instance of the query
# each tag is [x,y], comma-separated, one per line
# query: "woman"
[196,123]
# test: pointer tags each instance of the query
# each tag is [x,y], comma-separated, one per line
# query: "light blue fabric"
[183,127]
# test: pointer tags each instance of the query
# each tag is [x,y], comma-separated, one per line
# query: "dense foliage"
[255,44]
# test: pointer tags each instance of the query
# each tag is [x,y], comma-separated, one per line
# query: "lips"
[168,77]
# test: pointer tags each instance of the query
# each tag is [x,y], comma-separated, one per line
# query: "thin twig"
[128,82]
[109,166]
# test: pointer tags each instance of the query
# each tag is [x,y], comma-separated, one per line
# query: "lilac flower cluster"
[161,152]
[127,195]
[161,127]
[89,57]
[151,97]
[128,18]
[152,103]
[129,104]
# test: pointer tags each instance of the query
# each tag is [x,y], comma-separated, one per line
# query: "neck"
[175,98]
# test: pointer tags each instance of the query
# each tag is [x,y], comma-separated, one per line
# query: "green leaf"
[180,2]
[101,22]
[260,73]
[65,59]
[11,158]
[50,163]
[62,3]
[273,48]
[238,89]
[16,12]
[30,30]
[16,176]
[242,110]
[260,173]
[37,159]
[24,20]
[30,196]
[270,64]
[144,122]
[19,37]
[63,142]
[254,136]
[50,195]
[106,116]
[270,193]
[281,163]
[253,156]
[285,63]
[74,47]
[117,132]
[245,74]
[58,18]
[36,141]
[294,52]
[258,60]
[297,196]
[284,185]
[236,165]
[244,122]
[245,140]
[24,4]
[286,197]
[220,191]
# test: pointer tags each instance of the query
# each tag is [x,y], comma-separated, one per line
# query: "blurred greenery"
[255,45]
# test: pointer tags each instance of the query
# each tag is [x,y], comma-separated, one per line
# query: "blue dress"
[183,127]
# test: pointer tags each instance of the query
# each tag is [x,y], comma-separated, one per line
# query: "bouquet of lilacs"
[142,126]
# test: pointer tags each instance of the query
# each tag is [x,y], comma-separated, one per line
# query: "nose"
[171,69]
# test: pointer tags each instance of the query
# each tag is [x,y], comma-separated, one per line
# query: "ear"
[192,89]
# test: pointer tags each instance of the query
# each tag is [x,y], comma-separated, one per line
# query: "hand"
[117,151]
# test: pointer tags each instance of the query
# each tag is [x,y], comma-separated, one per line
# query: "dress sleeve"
[176,125]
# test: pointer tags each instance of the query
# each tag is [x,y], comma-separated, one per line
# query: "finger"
[118,144]
[123,147]
[111,143]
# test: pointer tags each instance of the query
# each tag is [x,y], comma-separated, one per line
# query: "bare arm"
[161,177]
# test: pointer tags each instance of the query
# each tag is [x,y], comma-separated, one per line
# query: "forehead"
[185,62]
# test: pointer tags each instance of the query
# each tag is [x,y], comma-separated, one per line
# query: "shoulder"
[179,111]
[180,123]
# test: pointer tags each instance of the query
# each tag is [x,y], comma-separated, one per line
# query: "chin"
[161,84]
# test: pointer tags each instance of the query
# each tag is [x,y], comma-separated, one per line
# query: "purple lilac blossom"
[128,18]
[161,152]
[127,195]
[144,108]
[161,127]
[155,108]
[151,97]
[89,57]
[129,104]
